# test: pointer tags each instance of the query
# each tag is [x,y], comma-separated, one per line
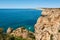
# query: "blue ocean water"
[18,17]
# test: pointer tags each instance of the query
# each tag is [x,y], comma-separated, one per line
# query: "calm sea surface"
[18,17]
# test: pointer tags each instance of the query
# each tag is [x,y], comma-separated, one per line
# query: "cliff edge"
[48,25]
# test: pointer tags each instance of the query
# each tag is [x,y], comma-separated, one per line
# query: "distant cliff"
[48,25]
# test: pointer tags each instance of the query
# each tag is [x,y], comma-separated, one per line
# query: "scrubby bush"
[5,36]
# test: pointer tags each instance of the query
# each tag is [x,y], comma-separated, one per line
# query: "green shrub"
[19,38]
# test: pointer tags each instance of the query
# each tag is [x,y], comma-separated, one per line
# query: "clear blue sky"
[50,3]
[29,3]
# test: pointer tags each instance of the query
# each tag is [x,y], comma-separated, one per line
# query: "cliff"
[48,25]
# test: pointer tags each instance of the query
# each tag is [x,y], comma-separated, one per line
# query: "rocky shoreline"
[46,28]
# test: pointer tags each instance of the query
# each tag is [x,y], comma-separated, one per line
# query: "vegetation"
[19,38]
[5,36]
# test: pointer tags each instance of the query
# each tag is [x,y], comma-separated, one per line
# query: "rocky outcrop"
[9,30]
[48,24]
[21,32]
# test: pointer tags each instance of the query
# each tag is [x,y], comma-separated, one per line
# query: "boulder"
[9,30]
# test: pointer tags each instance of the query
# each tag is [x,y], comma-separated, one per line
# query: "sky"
[29,3]
[50,3]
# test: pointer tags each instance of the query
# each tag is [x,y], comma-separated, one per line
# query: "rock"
[25,34]
[20,32]
[9,30]
[48,24]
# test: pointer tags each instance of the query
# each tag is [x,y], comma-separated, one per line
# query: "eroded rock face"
[48,24]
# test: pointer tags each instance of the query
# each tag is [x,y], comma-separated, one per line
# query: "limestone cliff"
[48,24]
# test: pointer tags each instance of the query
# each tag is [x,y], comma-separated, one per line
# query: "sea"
[16,18]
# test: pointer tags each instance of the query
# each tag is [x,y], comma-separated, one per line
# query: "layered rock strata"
[48,25]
